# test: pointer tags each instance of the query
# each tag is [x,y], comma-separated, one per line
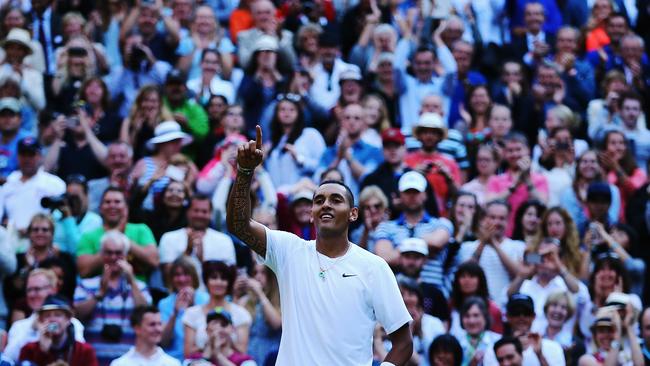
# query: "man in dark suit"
[47,30]
[535,44]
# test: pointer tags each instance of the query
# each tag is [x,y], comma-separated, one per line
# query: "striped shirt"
[398,230]
[115,308]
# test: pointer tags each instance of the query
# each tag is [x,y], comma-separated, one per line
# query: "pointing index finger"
[258,138]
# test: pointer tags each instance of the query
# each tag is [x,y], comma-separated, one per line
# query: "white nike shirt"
[331,321]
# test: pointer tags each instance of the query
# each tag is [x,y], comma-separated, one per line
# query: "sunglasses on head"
[289,96]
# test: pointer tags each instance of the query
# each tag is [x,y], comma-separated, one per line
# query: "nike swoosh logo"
[348,275]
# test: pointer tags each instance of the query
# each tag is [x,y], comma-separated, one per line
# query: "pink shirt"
[499,184]
[634,182]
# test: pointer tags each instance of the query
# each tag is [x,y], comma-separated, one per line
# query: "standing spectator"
[106,301]
[441,171]
[518,183]
[169,209]
[487,163]
[184,283]
[528,221]
[56,338]
[7,267]
[445,351]
[189,114]
[197,241]
[557,223]
[48,30]
[373,205]
[147,326]
[619,165]
[353,157]
[220,347]
[499,255]
[210,80]
[508,351]
[10,134]
[118,162]
[475,335]
[20,196]
[95,98]
[415,222]
[558,309]
[596,37]
[633,65]
[141,245]
[631,109]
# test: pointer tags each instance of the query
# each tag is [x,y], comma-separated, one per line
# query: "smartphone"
[175,173]
[532,258]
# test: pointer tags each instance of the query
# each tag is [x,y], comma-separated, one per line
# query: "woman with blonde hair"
[373,208]
[375,118]
[558,309]
[558,224]
[595,36]
[146,113]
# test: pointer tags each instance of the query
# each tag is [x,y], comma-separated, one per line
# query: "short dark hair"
[630,95]
[113,189]
[222,269]
[497,202]
[348,191]
[446,343]
[506,340]
[138,313]
[516,137]
[200,197]
[482,306]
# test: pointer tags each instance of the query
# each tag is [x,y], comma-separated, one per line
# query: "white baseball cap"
[416,245]
[412,180]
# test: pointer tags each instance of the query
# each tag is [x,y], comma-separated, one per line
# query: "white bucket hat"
[168,131]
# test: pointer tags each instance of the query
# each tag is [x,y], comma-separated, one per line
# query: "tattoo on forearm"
[239,214]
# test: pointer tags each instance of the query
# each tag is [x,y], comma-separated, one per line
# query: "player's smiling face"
[332,210]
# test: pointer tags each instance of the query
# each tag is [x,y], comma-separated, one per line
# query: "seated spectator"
[558,165]
[118,162]
[184,283]
[144,116]
[7,267]
[470,282]
[631,110]
[518,183]
[56,341]
[528,221]
[513,91]
[219,279]
[147,326]
[20,196]
[169,210]
[508,351]
[295,149]
[445,351]
[596,37]
[75,65]
[487,163]
[559,116]
[475,337]
[294,213]
[139,67]
[262,301]
[464,215]
[107,301]
[536,42]
[223,124]
[10,135]
[520,313]
[557,223]
[574,199]
[498,255]
[634,64]
[415,222]
[152,173]
[220,347]
[41,283]
[40,233]
[545,273]
[574,68]
[142,249]
[614,340]
[95,98]
[413,256]
[74,219]
[376,118]
[373,207]
[619,166]
[558,309]
[197,240]
[209,81]
[475,117]
[186,112]
[353,157]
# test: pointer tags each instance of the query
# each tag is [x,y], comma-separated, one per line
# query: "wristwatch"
[615,345]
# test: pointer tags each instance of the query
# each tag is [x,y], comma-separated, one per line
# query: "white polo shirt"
[216,246]
[19,200]
[133,358]
[331,321]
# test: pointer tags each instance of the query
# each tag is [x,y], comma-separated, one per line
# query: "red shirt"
[82,355]
[435,179]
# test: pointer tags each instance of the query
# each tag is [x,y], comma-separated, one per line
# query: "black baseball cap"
[219,313]
[518,302]
[176,76]
[29,145]
[599,192]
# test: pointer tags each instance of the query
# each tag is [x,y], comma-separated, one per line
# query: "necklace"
[322,271]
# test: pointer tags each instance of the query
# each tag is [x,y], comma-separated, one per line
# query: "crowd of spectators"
[498,152]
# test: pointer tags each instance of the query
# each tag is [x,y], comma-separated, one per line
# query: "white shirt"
[551,350]
[133,358]
[195,318]
[23,332]
[431,328]
[326,89]
[496,273]
[217,86]
[216,246]
[19,200]
[330,320]
[410,103]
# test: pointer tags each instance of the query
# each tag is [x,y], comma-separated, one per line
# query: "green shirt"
[197,118]
[140,234]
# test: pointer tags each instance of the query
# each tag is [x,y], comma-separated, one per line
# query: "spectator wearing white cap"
[17,47]
[415,222]
[413,255]
[10,134]
[442,172]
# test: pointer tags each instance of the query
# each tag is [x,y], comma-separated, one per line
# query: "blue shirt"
[166,306]
[367,155]
[9,154]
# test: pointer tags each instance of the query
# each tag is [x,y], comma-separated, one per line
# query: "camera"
[111,333]
[52,328]
[562,145]
[54,202]
[138,55]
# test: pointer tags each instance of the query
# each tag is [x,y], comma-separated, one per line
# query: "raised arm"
[238,213]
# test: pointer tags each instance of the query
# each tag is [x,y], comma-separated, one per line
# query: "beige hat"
[21,37]
[432,121]
[266,43]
